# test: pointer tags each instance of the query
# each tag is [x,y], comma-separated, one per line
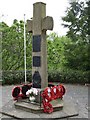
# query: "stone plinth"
[36,107]
[67,111]
[38,98]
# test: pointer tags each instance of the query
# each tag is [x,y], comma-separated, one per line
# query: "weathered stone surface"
[69,108]
[36,108]
[29,25]
[38,26]
[63,119]
[78,94]
[39,12]
[0,115]
[38,98]
[10,109]
[7,117]
[47,23]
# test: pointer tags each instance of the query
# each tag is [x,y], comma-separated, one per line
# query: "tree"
[13,47]
[56,58]
[78,21]
[77,56]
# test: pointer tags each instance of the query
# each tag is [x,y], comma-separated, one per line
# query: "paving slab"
[67,111]
[0,96]
[7,117]
[0,115]
[63,119]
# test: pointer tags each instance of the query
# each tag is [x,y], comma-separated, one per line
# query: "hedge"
[15,77]
[62,76]
[69,76]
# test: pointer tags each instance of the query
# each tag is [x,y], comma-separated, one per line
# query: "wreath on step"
[51,93]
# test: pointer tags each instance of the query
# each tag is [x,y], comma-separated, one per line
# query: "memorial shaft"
[39,56]
[38,26]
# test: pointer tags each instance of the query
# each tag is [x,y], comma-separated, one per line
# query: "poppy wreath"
[46,95]
[61,90]
[52,93]
[20,92]
[16,92]
[47,106]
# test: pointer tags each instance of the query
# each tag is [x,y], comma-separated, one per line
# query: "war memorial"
[40,99]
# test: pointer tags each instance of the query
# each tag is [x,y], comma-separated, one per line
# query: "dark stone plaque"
[36,61]
[36,80]
[36,43]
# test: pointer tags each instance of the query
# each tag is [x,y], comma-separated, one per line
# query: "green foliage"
[13,46]
[56,57]
[15,77]
[61,76]
[69,76]
[77,56]
[68,59]
[77,20]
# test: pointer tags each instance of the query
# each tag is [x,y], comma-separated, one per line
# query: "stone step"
[68,111]
[36,108]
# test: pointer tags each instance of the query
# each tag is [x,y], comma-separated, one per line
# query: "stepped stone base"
[68,110]
[36,107]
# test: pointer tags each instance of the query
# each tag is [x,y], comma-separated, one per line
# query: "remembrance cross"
[39,24]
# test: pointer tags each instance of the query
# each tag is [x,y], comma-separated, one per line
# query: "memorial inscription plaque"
[36,61]
[36,80]
[36,43]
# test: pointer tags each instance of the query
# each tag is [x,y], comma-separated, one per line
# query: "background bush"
[69,76]
[63,76]
[14,77]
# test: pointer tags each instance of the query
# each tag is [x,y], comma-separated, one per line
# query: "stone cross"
[39,24]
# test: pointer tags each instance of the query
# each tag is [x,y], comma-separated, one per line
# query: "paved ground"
[77,93]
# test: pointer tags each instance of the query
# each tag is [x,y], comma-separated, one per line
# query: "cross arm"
[47,23]
[29,25]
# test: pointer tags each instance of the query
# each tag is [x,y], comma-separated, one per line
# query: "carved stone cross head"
[40,21]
